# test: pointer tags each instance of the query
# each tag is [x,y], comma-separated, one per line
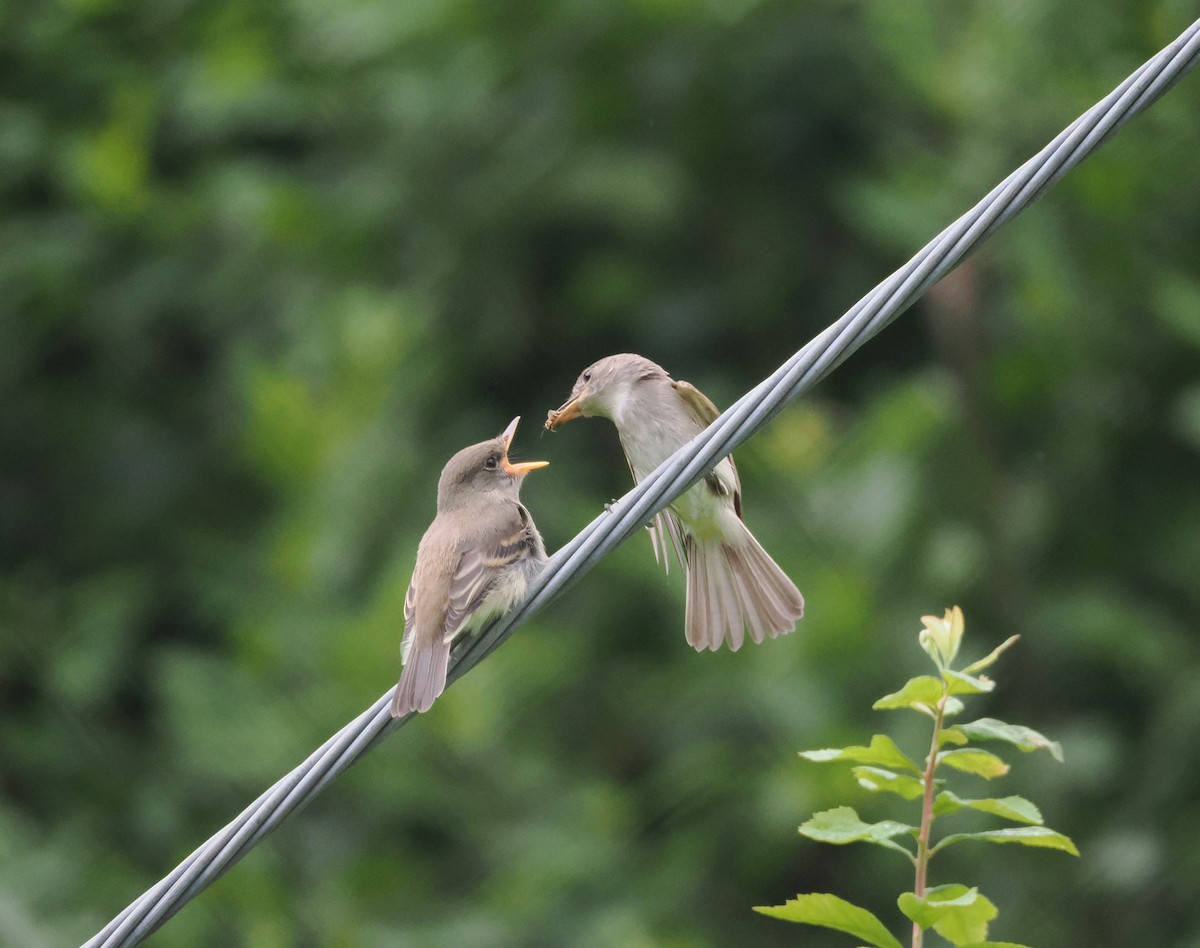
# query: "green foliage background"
[264,267]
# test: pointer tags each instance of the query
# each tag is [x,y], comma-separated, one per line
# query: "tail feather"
[711,634]
[777,601]
[696,620]
[695,625]
[734,587]
[747,600]
[422,680]
[726,602]
[712,613]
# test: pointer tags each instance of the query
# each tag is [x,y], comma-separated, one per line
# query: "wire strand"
[739,422]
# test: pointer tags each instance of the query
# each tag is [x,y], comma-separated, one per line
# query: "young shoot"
[958,913]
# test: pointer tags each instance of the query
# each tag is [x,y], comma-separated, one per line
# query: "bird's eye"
[587,376]
[491,462]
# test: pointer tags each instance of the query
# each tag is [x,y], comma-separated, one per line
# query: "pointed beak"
[524,467]
[560,416]
[507,434]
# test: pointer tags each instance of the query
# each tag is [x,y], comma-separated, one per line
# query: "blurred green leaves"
[263,269]
[112,166]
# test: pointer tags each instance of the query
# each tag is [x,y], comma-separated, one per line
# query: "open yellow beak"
[560,416]
[524,467]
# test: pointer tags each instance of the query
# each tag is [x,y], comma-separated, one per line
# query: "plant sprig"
[958,913]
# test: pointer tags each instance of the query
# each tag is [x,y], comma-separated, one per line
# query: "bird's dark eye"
[587,376]
[491,462]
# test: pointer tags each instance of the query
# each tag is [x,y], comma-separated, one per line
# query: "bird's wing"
[663,526]
[505,537]
[699,404]
[701,408]
[410,619]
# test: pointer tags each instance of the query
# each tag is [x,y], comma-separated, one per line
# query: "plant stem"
[918,937]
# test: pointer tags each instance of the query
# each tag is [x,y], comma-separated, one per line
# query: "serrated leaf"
[974,761]
[1026,738]
[878,780]
[1017,809]
[958,914]
[991,657]
[952,735]
[828,911]
[843,825]
[919,694]
[1039,836]
[882,752]
[959,683]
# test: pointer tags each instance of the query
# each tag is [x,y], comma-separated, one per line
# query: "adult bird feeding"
[733,585]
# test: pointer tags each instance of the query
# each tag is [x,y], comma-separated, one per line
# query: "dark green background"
[264,267]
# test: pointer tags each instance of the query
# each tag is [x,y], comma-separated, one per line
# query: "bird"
[474,562]
[733,585]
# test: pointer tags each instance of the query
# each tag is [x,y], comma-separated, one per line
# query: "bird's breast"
[507,590]
[651,432]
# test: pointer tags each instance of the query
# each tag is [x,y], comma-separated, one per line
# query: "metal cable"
[745,417]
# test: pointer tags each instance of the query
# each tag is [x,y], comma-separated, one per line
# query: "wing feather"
[699,404]
[662,528]
[501,544]
[701,407]
[410,619]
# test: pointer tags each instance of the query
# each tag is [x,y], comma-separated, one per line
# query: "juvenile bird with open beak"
[733,585]
[473,563]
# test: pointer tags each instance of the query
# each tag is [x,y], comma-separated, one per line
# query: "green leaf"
[829,911]
[882,752]
[1040,836]
[920,694]
[1026,738]
[960,683]
[952,735]
[942,637]
[991,656]
[993,944]
[973,761]
[1017,809]
[929,646]
[958,914]
[843,825]
[878,780]
[952,707]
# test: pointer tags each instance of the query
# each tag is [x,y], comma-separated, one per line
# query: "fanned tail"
[422,680]
[733,587]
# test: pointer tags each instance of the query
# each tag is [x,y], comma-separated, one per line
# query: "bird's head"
[483,469]
[603,386]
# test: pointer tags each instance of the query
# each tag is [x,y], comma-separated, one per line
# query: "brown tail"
[736,586]
[422,680]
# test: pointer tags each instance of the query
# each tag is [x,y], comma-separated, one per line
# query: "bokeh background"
[264,267]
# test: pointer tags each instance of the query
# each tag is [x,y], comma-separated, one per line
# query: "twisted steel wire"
[691,462]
